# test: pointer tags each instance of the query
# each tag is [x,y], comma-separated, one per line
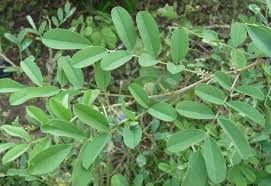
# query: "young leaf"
[214,160]
[147,60]
[196,174]
[88,56]
[194,110]
[237,137]
[119,180]
[93,149]
[261,37]
[238,58]
[210,93]
[163,111]
[25,94]
[48,159]
[238,33]
[74,75]
[90,96]
[37,114]
[139,94]
[132,136]
[149,32]
[16,131]
[251,90]
[181,140]
[63,128]
[91,117]
[115,59]
[179,44]
[64,39]
[223,80]
[14,153]
[43,144]
[124,26]
[8,85]
[59,110]
[102,78]
[6,146]
[248,111]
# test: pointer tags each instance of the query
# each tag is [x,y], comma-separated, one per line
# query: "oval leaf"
[132,136]
[251,90]
[238,33]
[37,114]
[223,80]
[179,44]
[59,110]
[163,111]
[139,94]
[115,59]
[210,93]
[16,131]
[15,152]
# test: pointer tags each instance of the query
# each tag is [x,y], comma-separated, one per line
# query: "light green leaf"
[175,69]
[238,58]
[48,159]
[181,140]
[91,117]
[90,96]
[179,44]
[88,56]
[210,93]
[119,180]
[247,111]
[64,39]
[32,70]
[238,33]
[43,144]
[8,85]
[261,37]
[139,94]
[59,110]
[163,111]
[63,128]
[149,32]
[124,26]
[93,149]
[6,146]
[16,131]
[251,90]
[132,136]
[102,78]
[237,137]
[214,160]
[196,174]
[37,114]
[60,74]
[115,59]
[194,110]
[25,94]
[223,80]
[147,60]
[14,153]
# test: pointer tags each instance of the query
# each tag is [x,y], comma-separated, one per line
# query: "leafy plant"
[211,129]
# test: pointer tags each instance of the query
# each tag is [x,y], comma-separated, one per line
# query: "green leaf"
[214,160]
[238,58]
[90,96]
[175,69]
[196,174]
[132,136]
[60,74]
[8,85]
[64,39]
[210,93]
[48,159]
[251,90]
[37,114]
[237,137]
[102,78]
[238,33]
[119,180]
[63,128]
[115,59]
[261,37]
[43,144]
[16,131]
[179,44]
[139,94]
[32,70]
[147,60]
[93,149]
[124,26]
[25,94]
[163,111]
[181,140]
[88,56]
[80,175]
[74,75]
[149,32]
[91,117]
[59,110]
[6,146]
[14,153]
[223,80]
[247,111]
[194,110]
